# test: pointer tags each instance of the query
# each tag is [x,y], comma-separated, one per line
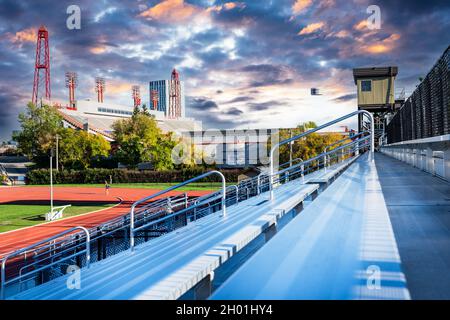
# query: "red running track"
[17,239]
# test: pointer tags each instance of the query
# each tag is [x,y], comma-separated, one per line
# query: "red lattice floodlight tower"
[71,83]
[136,95]
[42,63]
[154,97]
[175,96]
[100,88]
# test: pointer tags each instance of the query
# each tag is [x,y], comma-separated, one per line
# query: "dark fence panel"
[426,113]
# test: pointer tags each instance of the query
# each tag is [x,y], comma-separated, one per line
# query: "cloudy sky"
[246,64]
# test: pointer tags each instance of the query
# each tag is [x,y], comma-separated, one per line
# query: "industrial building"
[98,118]
[168,96]
[233,148]
[238,148]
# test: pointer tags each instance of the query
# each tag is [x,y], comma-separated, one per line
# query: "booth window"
[366,85]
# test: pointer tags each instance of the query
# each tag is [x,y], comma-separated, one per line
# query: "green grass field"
[14,216]
[196,186]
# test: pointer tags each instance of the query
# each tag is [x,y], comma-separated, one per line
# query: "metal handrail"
[272,150]
[206,174]
[24,250]
[248,186]
[340,141]
[206,200]
[216,197]
[287,170]
[237,191]
[235,187]
[290,162]
[196,204]
[321,155]
[301,164]
[302,168]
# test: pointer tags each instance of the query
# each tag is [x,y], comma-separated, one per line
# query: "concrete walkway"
[419,209]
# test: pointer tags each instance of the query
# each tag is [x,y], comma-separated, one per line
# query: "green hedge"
[42,176]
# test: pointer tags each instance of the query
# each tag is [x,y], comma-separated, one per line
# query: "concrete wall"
[430,154]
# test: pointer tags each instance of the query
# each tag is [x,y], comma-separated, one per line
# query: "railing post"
[372,134]
[258,182]
[272,150]
[133,207]
[195,210]
[132,227]
[224,192]
[237,192]
[24,250]
[88,246]
[3,279]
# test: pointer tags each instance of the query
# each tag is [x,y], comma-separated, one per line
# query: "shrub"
[98,175]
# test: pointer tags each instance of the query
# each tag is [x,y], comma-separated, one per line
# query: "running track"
[13,240]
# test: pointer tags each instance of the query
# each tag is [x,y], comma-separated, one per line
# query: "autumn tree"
[188,155]
[307,147]
[140,140]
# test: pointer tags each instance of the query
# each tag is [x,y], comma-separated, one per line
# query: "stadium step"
[195,247]
[186,254]
[340,247]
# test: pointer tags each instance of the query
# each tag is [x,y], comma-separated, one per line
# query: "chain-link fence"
[426,113]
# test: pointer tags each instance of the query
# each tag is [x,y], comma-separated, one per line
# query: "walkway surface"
[17,239]
[419,208]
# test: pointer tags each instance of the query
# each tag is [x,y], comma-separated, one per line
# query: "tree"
[39,125]
[78,148]
[308,147]
[187,155]
[136,110]
[140,140]
[145,110]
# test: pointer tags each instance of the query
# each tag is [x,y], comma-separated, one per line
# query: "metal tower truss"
[136,95]
[71,83]
[99,88]
[42,65]
[175,96]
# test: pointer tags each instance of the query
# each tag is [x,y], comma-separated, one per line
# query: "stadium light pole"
[290,148]
[51,181]
[57,152]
